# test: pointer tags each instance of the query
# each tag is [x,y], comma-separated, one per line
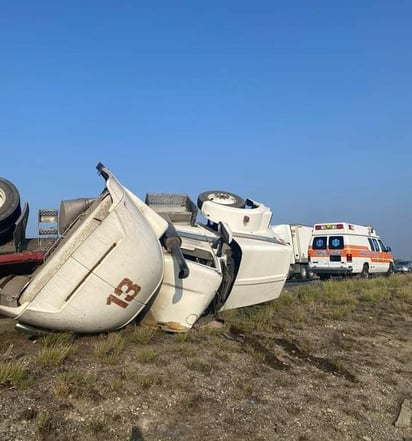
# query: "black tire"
[221,197]
[391,270]
[310,275]
[303,274]
[10,209]
[365,271]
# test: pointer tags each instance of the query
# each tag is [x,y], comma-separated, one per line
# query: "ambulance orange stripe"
[356,251]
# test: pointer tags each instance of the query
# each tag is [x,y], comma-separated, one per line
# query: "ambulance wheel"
[10,209]
[365,271]
[391,270]
[221,198]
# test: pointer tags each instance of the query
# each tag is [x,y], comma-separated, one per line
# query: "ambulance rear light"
[348,257]
[329,227]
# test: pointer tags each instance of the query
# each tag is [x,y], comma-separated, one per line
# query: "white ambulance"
[341,249]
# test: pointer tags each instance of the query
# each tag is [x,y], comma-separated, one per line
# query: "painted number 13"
[124,293]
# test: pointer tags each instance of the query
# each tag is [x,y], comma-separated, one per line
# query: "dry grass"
[147,355]
[147,381]
[333,299]
[13,373]
[109,348]
[56,339]
[73,383]
[186,370]
[43,422]
[53,354]
[198,364]
[55,348]
[141,335]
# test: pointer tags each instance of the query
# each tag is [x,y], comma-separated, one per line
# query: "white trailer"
[298,237]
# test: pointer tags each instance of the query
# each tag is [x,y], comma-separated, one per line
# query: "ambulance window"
[383,247]
[375,243]
[319,243]
[336,242]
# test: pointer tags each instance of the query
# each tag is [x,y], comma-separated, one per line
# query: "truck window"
[336,243]
[319,243]
[371,246]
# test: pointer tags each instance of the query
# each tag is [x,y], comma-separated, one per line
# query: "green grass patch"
[55,347]
[333,299]
[147,355]
[54,355]
[75,384]
[56,339]
[374,295]
[256,317]
[147,381]
[403,293]
[298,315]
[184,348]
[109,347]
[339,312]
[13,373]
[141,335]
[43,422]
[198,364]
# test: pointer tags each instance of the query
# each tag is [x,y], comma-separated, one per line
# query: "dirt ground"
[301,376]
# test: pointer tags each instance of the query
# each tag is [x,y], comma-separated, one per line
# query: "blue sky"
[304,106]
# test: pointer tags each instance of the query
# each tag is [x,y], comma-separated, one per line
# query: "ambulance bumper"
[343,271]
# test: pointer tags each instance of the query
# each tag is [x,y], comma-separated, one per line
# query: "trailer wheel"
[10,209]
[222,198]
[365,271]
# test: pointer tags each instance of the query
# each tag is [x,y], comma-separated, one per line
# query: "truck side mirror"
[225,232]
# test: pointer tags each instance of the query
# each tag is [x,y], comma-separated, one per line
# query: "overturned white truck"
[117,259]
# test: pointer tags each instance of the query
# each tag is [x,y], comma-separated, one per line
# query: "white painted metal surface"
[114,263]
[261,264]
[245,220]
[262,272]
[102,273]
[298,237]
[181,302]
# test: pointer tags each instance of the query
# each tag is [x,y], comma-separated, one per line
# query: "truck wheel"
[310,275]
[365,271]
[303,274]
[222,198]
[10,209]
